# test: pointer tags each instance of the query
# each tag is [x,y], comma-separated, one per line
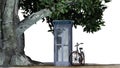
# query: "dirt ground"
[86,66]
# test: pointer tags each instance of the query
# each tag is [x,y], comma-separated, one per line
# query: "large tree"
[87,13]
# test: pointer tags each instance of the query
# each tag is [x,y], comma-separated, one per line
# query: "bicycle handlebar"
[78,44]
[81,43]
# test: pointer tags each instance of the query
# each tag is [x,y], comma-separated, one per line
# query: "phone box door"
[62,42]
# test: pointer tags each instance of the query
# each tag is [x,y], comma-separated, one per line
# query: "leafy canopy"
[87,13]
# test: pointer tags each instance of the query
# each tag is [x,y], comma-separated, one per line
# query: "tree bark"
[32,19]
[12,33]
[10,54]
[0,25]
[9,36]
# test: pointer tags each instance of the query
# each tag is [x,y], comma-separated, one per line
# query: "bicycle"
[77,57]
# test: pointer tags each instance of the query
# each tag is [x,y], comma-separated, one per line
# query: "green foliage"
[87,13]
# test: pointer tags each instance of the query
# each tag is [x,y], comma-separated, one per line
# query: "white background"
[102,47]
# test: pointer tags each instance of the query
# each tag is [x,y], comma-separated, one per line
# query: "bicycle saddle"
[80,48]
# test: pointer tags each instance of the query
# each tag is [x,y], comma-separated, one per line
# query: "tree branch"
[32,19]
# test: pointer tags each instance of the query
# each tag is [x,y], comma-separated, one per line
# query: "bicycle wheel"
[74,58]
[82,60]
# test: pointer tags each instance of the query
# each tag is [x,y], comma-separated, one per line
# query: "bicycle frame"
[77,47]
[77,56]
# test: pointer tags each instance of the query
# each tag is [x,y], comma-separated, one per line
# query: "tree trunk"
[9,36]
[0,25]
[11,46]
[12,33]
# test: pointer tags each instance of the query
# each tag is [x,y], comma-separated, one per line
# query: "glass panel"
[59,31]
[59,53]
[59,36]
[59,40]
[65,53]
[65,36]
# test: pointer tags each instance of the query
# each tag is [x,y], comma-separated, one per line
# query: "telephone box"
[62,42]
